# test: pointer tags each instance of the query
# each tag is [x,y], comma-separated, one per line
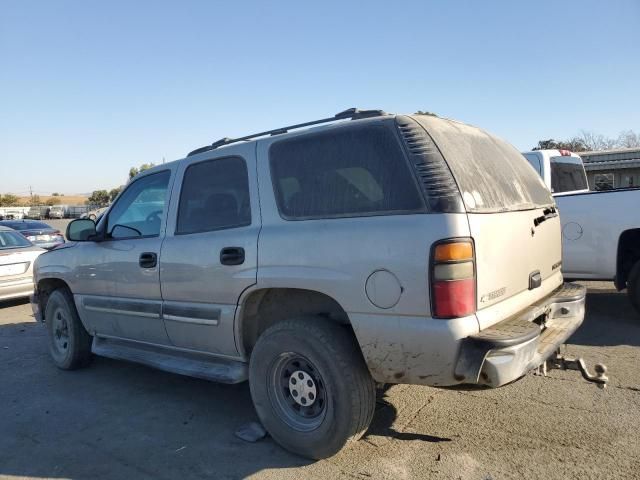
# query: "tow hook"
[561,362]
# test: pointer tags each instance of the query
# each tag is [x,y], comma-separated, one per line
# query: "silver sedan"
[17,255]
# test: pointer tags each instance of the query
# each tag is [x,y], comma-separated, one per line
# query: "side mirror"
[81,230]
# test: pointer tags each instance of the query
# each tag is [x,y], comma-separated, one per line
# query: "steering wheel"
[154,216]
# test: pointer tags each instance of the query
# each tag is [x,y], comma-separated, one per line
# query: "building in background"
[610,169]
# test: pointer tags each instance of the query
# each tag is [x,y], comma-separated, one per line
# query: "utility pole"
[31,195]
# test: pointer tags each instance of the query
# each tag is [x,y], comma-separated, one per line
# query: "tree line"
[105,197]
[590,141]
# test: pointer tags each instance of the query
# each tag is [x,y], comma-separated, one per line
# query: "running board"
[183,363]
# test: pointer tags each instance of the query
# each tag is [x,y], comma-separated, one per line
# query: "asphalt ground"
[118,420]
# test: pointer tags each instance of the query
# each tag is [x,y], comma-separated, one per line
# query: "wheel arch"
[46,287]
[628,254]
[262,308]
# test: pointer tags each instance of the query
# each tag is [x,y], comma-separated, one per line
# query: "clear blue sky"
[89,89]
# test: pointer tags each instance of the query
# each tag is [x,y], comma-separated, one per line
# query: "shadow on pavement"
[120,420]
[384,418]
[13,303]
[610,320]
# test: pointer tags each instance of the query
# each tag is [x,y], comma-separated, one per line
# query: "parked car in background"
[600,229]
[94,214]
[17,256]
[13,214]
[315,263]
[38,233]
[56,212]
[35,213]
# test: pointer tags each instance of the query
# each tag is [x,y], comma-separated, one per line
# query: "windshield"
[12,240]
[567,174]
[491,174]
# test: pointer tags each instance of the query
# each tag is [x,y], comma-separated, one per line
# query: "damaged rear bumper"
[508,350]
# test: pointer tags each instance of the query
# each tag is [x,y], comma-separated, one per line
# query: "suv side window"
[139,209]
[214,196]
[345,172]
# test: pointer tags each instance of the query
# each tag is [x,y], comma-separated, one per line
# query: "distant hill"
[64,200]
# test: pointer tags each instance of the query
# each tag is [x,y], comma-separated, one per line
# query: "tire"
[69,342]
[633,286]
[339,393]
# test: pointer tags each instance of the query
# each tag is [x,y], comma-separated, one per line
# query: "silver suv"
[317,262]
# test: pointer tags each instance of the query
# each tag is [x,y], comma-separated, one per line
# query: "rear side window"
[214,196]
[567,174]
[344,172]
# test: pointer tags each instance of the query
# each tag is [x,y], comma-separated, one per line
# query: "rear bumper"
[508,350]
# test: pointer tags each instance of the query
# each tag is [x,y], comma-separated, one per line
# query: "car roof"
[24,224]
[6,229]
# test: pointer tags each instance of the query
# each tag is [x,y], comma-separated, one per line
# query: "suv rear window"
[343,172]
[492,175]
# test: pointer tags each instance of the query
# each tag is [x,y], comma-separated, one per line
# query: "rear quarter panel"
[591,227]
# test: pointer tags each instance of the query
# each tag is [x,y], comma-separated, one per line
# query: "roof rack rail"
[352,113]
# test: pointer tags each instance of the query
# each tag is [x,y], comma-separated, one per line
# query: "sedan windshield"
[12,240]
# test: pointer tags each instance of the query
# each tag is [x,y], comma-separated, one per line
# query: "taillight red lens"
[454,298]
[453,282]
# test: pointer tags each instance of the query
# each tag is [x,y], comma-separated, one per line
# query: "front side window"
[214,196]
[347,172]
[140,208]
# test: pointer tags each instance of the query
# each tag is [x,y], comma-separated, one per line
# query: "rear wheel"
[311,387]
[69,342]
[633,286]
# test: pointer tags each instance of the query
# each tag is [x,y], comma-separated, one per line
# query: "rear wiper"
[547,214]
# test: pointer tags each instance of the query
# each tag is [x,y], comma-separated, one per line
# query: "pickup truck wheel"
[311,387]
[633,286]
[69,342]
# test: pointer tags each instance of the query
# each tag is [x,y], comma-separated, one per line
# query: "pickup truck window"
[351,172]
[139,209]
[567,174]
[214,196]
[534,160]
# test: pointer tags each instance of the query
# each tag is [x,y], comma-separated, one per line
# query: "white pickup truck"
[600,230]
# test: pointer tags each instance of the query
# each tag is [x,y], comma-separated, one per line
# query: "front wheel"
[633,286]
[69,342]
[311,387]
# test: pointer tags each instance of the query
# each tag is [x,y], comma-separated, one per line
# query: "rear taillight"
[453,279]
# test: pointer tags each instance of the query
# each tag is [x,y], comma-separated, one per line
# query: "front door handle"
[232,256]
[148,260]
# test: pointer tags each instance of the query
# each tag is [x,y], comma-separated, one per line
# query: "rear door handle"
[148,260]
[232,256]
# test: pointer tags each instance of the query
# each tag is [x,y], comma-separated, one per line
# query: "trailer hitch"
[562,362]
